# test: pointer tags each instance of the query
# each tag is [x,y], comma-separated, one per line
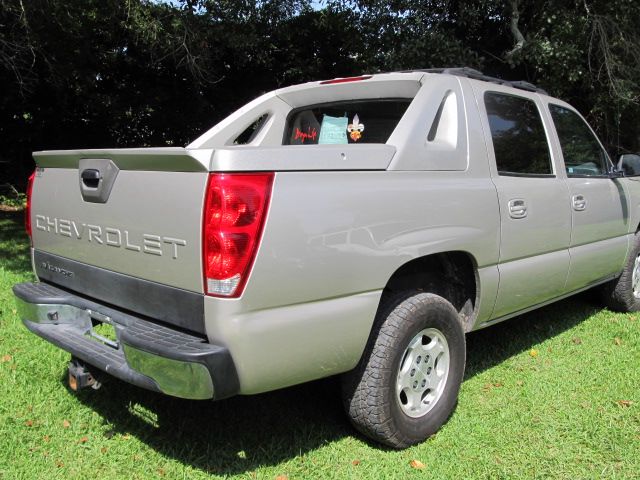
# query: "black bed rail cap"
[478,75]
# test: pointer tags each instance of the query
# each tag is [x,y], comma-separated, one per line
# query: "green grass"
[545,395]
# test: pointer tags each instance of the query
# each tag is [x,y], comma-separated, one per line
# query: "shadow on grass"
[14,243]
[240,434]
[493,345]
[231,436]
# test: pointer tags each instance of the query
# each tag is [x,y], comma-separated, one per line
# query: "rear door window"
[519,140]
[366,121]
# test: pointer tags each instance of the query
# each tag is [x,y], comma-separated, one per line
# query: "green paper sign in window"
[333,130]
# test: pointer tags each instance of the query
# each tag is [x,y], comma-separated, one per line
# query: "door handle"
[517,208]
[579,202]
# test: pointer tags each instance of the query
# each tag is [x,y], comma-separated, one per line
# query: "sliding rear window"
[364,121]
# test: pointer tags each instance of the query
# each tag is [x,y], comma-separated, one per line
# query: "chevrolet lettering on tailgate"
[113,237]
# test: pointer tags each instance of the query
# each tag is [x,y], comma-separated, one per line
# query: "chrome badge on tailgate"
[110,236]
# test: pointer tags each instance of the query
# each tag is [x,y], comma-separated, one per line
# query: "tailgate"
[134,212]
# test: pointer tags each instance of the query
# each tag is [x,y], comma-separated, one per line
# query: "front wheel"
[623,293]
[406,384]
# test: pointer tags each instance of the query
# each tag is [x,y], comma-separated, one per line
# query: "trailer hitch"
[80,376]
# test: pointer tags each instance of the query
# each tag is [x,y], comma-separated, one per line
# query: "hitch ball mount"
[80,376]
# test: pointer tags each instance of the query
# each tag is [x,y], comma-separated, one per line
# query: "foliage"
[13,201]
[588,53]
[124,73]
[585,52]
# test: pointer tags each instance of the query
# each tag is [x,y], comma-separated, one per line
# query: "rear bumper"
[144,353]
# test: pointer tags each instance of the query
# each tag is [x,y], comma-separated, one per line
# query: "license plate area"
[102,330]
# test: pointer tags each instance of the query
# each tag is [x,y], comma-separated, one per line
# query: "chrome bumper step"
[144,353]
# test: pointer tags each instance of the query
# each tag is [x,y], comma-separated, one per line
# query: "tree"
[586,52]
[117,73]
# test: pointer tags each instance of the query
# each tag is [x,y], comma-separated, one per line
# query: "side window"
[249,133]
[582,153]
[518,135]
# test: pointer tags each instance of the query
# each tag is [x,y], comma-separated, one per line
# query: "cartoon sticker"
[355,128]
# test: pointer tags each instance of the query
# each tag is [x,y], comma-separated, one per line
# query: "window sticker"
[333,130]
[355,128]
[309,134]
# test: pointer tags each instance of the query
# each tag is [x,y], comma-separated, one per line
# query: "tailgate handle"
[91,177]
[96,178]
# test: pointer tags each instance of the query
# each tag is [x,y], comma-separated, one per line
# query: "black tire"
[618,294]
[371,399]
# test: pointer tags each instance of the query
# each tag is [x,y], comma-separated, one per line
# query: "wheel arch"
[452,274]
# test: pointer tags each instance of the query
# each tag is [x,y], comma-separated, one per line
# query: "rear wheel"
[406,384]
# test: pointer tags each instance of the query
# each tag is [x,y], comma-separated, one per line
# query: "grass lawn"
[551,394]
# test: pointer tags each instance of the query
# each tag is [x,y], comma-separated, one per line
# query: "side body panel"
[534,257]
[598,240]
[631,188]
[600,215]
[534,260]
[331,242]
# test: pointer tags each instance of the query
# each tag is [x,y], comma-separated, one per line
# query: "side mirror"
[629,164]
[615,173]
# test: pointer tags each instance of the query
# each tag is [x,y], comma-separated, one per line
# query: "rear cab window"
[347,122]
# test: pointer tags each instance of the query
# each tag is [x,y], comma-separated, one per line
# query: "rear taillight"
[235,209]
[27,210]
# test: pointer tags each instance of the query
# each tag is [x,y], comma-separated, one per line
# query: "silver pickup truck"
[356,226]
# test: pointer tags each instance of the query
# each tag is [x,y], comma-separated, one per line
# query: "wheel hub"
[423,372]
